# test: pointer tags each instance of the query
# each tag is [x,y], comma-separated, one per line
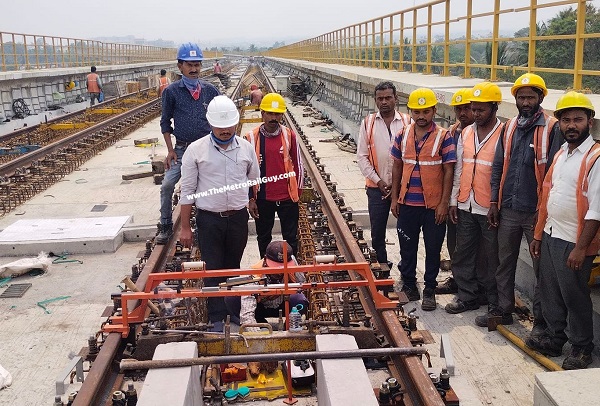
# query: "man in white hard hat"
[217,171]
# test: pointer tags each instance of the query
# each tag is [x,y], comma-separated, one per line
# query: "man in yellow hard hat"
[567,236]
[375,138]
[464,118]
[281,172]
[525,150]
[476,256]
[424,156]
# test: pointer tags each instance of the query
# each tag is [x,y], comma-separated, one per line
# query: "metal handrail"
[404,41]
[30,51]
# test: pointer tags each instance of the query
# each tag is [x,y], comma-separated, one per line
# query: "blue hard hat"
[189,52]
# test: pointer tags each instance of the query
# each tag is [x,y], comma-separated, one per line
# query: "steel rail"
[25,160]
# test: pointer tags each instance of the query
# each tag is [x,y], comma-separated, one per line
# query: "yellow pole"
[516,340]
[579,41]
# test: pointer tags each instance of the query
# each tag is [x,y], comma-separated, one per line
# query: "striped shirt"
[414,196]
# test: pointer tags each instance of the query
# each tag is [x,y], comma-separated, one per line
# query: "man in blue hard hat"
[184,105]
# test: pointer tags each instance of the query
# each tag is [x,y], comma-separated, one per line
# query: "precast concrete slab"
[73,235]
[566,388]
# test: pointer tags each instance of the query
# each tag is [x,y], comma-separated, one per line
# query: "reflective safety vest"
[430,165]
[587,162]
[541,142]
[163,82]
[477,166]
[286,140]
[369,126]
[92,83]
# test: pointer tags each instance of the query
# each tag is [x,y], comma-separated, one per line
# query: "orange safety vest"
[163,82]
[582,202]
[430,165]
[92,83]
[286,139]
[370,124]
[477,166]
[541,142]
[453,128]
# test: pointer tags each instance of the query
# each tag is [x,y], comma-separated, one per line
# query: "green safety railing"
[442,36]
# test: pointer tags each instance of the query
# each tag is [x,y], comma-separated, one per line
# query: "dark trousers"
[565,294]
[234,305]
[410,222]
[513,224]
[288,214]
[476,257]
[450,238]
[222,241]
[379,211]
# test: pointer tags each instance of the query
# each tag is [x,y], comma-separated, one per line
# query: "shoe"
[411,293]
[428,303]
[579,358]
[544,345]
[539,328]
[447,287]
[459,306]
[165,234]
[482,321]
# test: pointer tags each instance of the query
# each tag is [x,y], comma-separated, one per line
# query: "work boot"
[459,306]
[165,234]
[539,328]
[428,303]
[482,321]
[447,287]
[579,358]
[544,345]
[412,293]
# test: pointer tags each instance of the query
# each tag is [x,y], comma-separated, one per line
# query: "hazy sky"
[222,22]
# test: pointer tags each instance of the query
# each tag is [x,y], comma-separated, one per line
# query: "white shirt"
[469,205]
[383,141]
[218,177]
[562,201]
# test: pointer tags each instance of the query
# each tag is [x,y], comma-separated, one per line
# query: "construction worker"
[462,111]
[278,155]
[526,148]
[424,156]
[470,201]
[184,104]
[93,84]
[375,139]
[208,166]
[217,68]
[256,95]
[163,82]
[567,236]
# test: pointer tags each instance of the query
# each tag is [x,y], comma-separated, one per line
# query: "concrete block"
[567,388]
[342,382]
[173,386]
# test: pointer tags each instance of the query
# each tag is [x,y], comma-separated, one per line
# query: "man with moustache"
[375,138]
[424,156]
[209,164]
[526,148]
[476,256]
[567,236]
[278,154]
[464,118]
[184,104]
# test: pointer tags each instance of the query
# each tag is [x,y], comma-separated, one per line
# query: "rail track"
[326,227]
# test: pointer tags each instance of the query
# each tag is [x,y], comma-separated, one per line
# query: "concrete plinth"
[567,388]
[173,386]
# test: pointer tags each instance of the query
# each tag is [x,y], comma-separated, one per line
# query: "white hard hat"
[222,112]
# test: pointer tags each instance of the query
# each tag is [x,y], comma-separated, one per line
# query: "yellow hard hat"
[486,92]
[529,80]
[572,100]
[462,96]
[421,98]
[273,103]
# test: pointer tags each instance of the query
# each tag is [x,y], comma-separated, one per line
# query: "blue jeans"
[410,222]
[234,305]
[172,176]
[379,211]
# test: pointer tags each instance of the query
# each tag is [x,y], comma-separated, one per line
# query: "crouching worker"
[253,309]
